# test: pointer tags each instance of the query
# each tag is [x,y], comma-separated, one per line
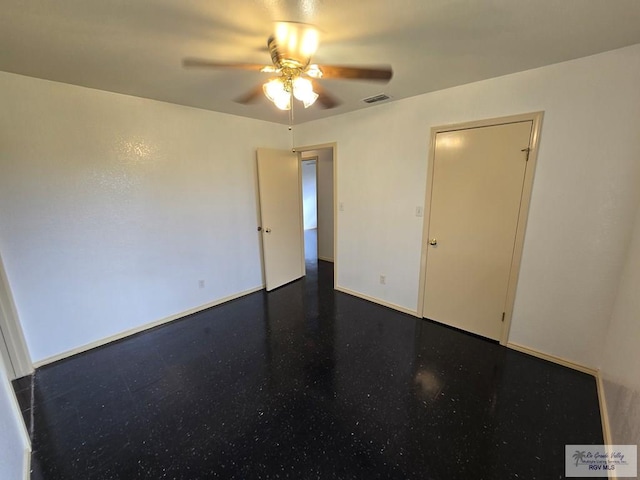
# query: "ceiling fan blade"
[198,62]
[325,99]
[252,96]
[379,74]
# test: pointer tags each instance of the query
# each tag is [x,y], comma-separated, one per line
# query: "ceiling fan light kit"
[279,90]
[291,47]
[276,91]
[303,91]
[287,84]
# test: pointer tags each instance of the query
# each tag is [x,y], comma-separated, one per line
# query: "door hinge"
[528,150]
[503,316]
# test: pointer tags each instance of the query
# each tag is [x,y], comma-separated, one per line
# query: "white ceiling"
[136,46]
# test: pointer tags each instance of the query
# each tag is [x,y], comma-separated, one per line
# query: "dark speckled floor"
[303,383]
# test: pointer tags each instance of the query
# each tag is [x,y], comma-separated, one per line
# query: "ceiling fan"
[291,48]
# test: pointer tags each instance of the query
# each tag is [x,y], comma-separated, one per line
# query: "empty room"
[319,239]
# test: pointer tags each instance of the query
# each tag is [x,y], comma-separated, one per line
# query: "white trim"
[604,412]
[326,259]
[552,358]
[27,464]
[602,402]
[604,415]
[378,301]
[14,408]
[21,364]
[303,264]
[126,333]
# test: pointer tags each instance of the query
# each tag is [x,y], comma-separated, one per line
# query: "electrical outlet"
[383,279]
[419,211]
[200,283]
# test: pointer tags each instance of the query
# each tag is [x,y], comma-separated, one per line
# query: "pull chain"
[293,143]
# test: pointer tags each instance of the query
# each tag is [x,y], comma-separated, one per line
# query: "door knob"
[259,229]
[433,241]
[267,230]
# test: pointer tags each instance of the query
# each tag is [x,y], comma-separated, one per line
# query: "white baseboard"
[19,419]
[147,326]
[378,301]
[326,259]
[604,416]
[552,358]
[604,412]
[27,464]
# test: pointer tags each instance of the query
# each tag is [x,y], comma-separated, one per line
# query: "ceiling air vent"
[376,98]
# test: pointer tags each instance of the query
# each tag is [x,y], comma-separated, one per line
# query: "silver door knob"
[433,241]
[267,230]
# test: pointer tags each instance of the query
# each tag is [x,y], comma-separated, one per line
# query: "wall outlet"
[200,283]
[419,211]
[383,279]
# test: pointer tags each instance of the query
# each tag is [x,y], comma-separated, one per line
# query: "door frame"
[536,119]
[11,332]
[334,151]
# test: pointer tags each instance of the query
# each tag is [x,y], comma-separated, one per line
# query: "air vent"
[376,98]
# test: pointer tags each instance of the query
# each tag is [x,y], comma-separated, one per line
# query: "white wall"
[13,437]
[584,195]
[309,195]
[621,360]
[114,207]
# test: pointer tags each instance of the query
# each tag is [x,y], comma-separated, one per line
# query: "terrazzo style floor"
[306,383]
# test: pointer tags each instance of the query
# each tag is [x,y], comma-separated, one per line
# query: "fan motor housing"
[282,58]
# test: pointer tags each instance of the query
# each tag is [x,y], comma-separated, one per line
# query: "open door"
[281,216]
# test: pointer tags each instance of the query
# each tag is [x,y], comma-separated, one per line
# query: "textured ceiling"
[136,46]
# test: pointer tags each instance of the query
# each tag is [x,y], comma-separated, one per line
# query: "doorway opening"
[318,192]
[310,208]
[281,215]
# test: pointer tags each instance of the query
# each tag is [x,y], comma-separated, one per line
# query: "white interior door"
[478,176]
[281,215]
